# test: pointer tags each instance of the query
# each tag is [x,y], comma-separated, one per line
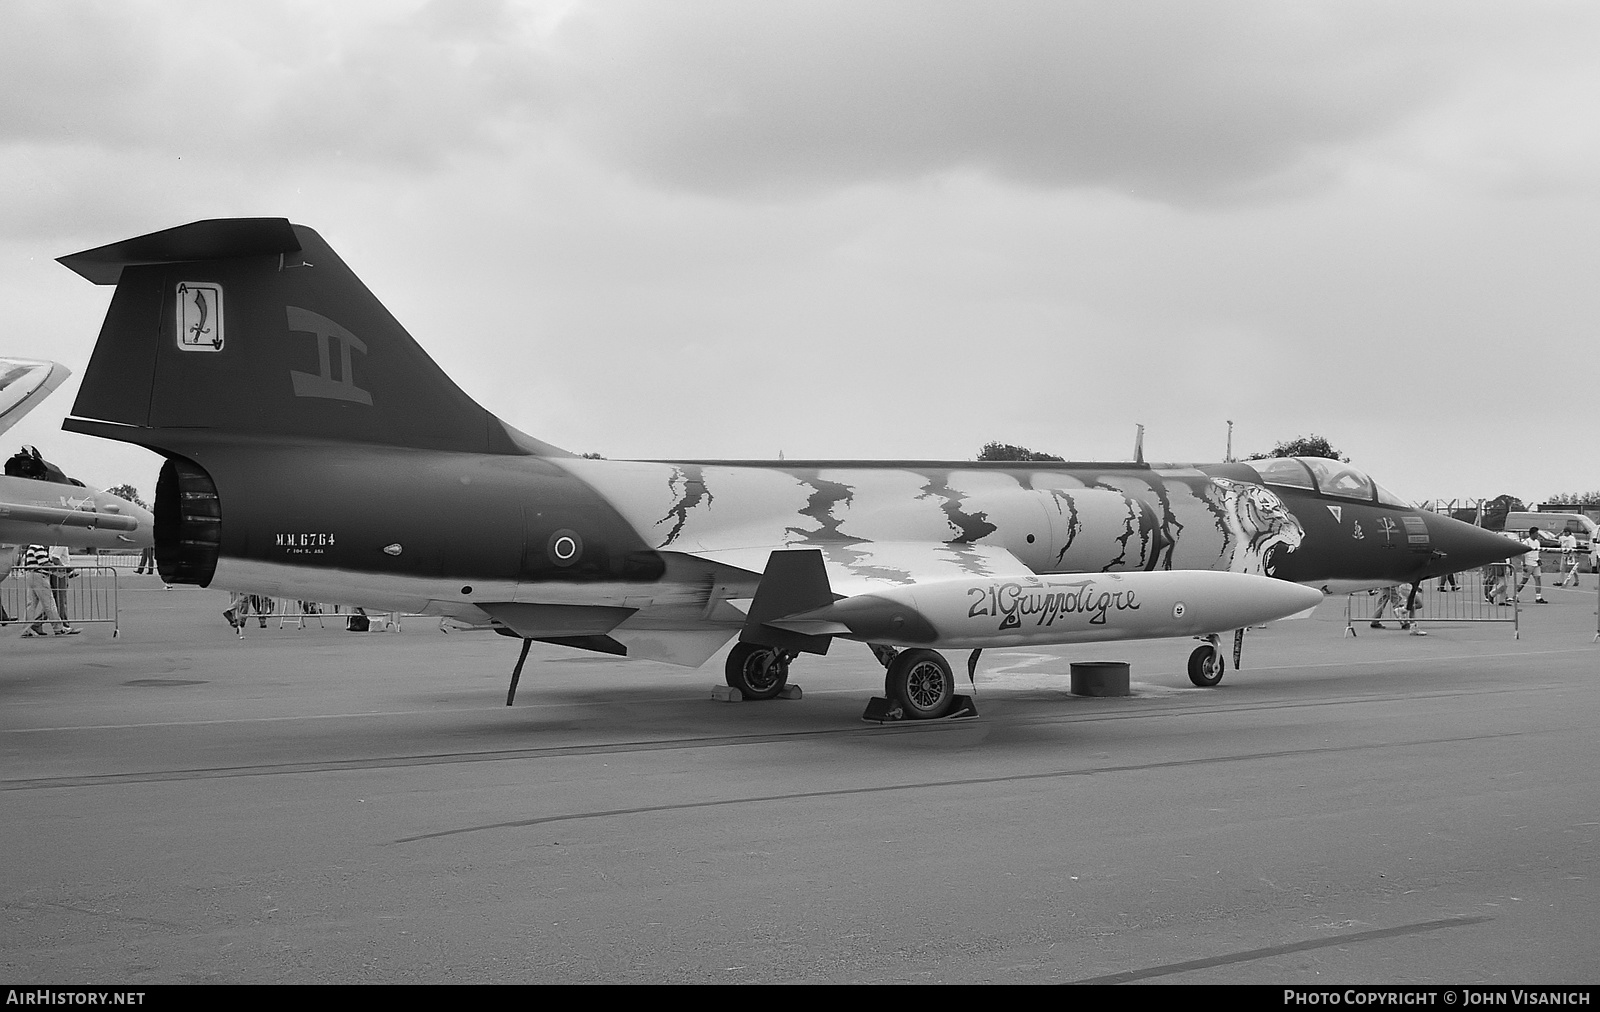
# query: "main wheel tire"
[921,681]
[1206,666]
[757,672]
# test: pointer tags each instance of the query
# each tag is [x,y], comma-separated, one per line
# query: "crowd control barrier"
[302,613]
[86,595]
[1483,595]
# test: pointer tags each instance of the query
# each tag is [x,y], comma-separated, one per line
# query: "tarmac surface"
[316,805]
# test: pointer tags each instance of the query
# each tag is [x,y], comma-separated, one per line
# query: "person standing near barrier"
[261,604]
[1405,609]
[1529,561]
[1388,597]
[238,611]
[60,573]
[36,563]
[147,562]
[1569,559]
[1413,609]
[1498,577]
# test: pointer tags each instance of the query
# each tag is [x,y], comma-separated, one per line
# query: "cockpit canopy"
[1330,477]
[26,463]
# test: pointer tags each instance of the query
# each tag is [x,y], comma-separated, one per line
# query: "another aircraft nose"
[1459,546]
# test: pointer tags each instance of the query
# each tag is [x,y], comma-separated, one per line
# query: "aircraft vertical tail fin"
[255,326]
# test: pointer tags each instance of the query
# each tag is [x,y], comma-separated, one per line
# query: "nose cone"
[1218,602]
[145,535]
[126,524]
[1458,546]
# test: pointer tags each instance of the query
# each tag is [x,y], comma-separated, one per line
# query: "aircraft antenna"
[1229,455]
[1138,445]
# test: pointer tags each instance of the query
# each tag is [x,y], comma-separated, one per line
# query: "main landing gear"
[918,684]
[758,672]
[922,683]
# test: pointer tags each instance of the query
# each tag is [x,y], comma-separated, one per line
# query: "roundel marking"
[565,547]
[1178,609]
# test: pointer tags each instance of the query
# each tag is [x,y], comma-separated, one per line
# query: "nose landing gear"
[1206,664]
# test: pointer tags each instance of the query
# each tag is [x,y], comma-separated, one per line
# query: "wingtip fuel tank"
[1077,608]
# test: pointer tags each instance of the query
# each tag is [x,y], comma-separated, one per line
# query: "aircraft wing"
[688,633]
[24,382]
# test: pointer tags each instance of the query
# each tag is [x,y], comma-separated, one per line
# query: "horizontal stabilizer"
[213,239]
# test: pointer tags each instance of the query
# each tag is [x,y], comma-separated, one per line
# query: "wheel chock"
[882,711]
[962,707]
[728,694]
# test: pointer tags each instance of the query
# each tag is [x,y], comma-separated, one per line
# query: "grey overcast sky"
[874,229]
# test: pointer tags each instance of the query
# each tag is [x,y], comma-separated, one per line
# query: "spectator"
[59,575]
[1529,562]
[1569,559]
[1413,609]
[33,570]
[1390,597]
[238,611]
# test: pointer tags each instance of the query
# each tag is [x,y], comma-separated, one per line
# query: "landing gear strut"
[758,672]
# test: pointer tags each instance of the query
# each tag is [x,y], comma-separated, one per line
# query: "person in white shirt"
[1569,559]
[1529,562]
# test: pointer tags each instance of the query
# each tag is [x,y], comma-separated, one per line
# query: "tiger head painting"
[1256,525]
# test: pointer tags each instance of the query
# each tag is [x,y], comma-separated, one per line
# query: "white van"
[1554,525]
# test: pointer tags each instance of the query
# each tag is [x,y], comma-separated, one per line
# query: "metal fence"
[303,613]
[1480,595]
[83,595]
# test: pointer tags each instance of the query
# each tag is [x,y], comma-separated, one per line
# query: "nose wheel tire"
[757,672]
[1206,666]
[921,681]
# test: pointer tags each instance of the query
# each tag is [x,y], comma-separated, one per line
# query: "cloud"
[389,83]
[1167,100]
[1171,100]
[807,219]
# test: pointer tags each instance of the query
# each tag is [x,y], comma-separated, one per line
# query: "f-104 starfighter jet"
[314,451]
